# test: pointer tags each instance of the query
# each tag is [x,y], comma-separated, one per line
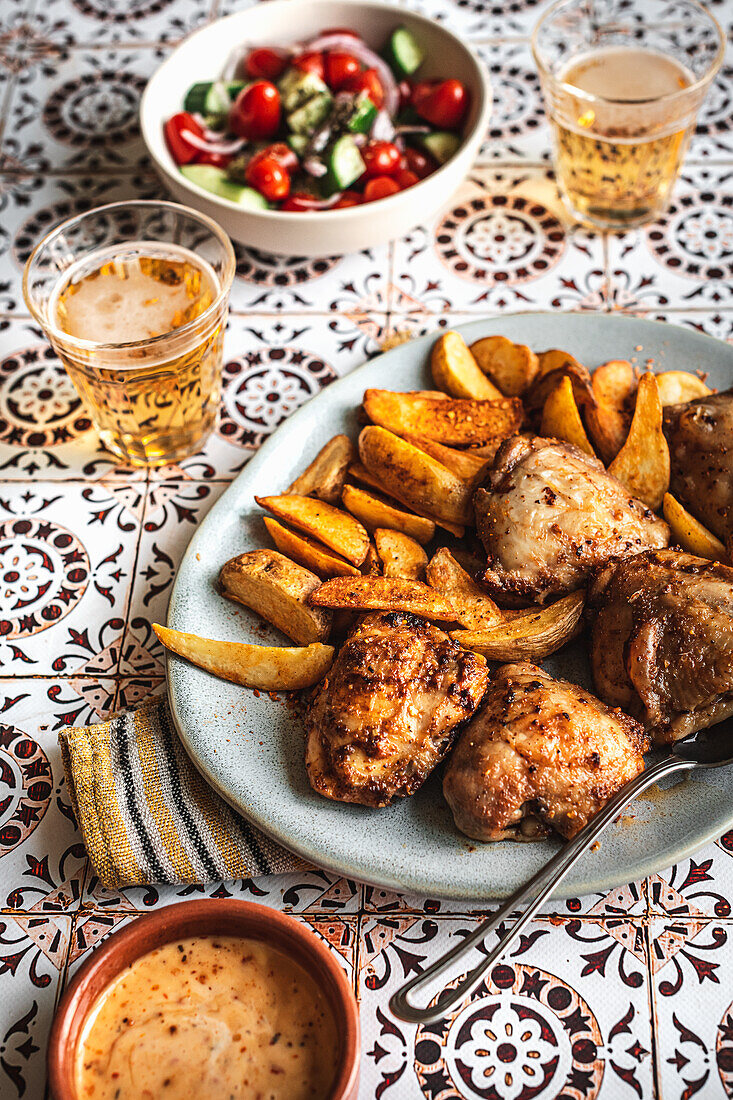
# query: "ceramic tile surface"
[617,995]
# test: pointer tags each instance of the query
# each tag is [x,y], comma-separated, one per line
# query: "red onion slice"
[225,148]
[315,167]
[367,57]
[382,127]
[321,204]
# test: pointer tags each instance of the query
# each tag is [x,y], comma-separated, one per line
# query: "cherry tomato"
[379,188]
[310,63]
[405,89]
[282,153]
[443,104]
[368,82]
[300,201]
[267,175]
[381,158]
[404,178]
[419,163]
[218,160]
[349,198]
[339,68]
[266,64]
[256,111]
[175,129]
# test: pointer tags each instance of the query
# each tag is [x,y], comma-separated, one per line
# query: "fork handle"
[535,891]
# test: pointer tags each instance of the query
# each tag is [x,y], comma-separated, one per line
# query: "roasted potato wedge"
[415,478]
[473,608]
[357,472]
[338,530]
[642,464]
[401,555]
[608,421]
[374,512]
[561,419]
[453,421]
[464,464]
[456,371]
[553,365]
[384,594]
[267,668]
[372,564]
[307,552]
[679,386]
[529,635]
[278,590]
[689,533]
[325,476]
[513,367]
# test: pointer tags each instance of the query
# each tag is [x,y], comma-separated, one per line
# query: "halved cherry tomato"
[443,103]
[267,175]
[404,178]
[175,129]
[379,188]
[339,68]
[366,81]
[419,163]
[300,201]
[282,153]
[310,63]
[218,160]
[349,198]
[266,64]
[381,158]
[255,113]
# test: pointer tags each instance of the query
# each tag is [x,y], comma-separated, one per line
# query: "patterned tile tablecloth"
[618,996]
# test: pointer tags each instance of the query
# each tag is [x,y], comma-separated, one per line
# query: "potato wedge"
[278,590]
[614,388]
[473,608]
[642,464]
[553,365]
[336,529]
[678,386]
[689,533]
[325,476]
[360,473]
[267,668]
[512,367]
[529,635]
[465,464]
[415,478]
[401,555]
[453,421]
[374,512]
[357,472]
[307,552]
[455,370]
[372,564]
[384,594]
[561,419]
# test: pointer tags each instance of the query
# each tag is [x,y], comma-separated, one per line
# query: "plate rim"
[641,868]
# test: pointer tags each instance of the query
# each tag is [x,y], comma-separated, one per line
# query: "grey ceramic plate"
[251,748]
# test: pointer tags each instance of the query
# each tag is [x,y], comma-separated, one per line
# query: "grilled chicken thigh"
[549,514]
[541,752]
[662,640]
[388,711]
[700,437]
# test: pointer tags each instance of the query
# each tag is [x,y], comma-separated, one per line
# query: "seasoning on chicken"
[662,640]
[541,753]
[549,513]
[389,708]
[700,437]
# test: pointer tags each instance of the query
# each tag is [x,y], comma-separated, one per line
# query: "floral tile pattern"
[623,994]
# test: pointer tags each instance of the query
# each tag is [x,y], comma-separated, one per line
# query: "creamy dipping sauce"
[210,1016]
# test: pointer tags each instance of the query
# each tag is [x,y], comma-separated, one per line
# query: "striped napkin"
[146,814]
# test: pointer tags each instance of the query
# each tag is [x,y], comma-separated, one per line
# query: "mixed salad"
[320,126]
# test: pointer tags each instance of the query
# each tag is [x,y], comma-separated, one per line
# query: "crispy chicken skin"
[662,640]
[548,514]
[388,710]
[541,752]
[700,437]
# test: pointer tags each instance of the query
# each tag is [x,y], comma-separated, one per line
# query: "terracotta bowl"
[223,918]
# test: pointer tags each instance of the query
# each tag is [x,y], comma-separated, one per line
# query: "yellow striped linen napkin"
[146,814]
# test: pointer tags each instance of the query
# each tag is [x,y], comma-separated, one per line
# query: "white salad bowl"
[204,56]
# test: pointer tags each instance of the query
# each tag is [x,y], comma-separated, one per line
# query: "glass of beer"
[623,81]
[134,298]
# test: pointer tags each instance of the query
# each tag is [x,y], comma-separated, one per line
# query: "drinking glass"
[153,400]
[618,155]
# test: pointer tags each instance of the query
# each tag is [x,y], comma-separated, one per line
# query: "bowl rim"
[483,112]
[201,917]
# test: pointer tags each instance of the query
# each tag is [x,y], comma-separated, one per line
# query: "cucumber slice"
[212,97]
[296,88]
[298,143]
[363,115]
[306,118]
[345,164]
[214,180]
[402,53]
[441,144]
